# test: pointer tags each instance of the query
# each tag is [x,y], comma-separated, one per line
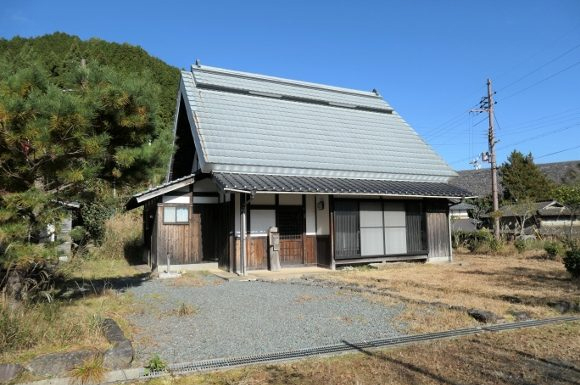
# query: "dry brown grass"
[62,326]
[545,355]
[501,284]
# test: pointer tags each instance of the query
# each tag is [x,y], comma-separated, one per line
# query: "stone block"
[112,331]
[9,372]
[483,316]
[59,364]
[119,356]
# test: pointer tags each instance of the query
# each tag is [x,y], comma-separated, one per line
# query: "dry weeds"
[501,284]
[544,355]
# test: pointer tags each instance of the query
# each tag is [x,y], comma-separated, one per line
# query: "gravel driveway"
[233,319]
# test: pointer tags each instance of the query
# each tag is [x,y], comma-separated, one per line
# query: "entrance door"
[290,227]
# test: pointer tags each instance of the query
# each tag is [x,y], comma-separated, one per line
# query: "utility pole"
[487,105]
[492,142]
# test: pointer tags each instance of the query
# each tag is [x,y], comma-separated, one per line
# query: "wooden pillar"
[331,230]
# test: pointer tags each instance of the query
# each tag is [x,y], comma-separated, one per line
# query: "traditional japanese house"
[337,172]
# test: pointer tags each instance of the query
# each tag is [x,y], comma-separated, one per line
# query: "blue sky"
[429,59]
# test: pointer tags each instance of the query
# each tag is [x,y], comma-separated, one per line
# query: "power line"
[522,141]
[541,81]
[557,152]
[539,68]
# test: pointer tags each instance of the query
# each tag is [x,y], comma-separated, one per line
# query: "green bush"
[94,215]
[572,261]
[155,364]
[79,235]
[520,245]
[553,249]
[479,240]
[495,245]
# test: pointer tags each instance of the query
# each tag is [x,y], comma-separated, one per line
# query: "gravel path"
[243,318]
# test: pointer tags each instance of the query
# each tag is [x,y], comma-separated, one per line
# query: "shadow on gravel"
[81,288]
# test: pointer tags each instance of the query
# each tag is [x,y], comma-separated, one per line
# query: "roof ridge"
[285,81]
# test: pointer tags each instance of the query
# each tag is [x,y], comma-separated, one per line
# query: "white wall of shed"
[237,213]
[322,216]
[290,199]
[264,199]
[310,215]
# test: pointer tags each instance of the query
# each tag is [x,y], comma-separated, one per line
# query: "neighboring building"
[548,218]
[460,220]
[338,172]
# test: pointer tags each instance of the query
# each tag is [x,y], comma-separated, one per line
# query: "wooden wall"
[181,241]
[310,250]
[257,249]
[437,228]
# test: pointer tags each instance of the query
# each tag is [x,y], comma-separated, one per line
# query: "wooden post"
[243,211]
[331,230]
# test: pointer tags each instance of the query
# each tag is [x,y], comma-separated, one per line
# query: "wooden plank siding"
[438,234]
[310,250]
[181,241]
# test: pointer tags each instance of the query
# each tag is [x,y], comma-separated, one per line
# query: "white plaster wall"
[322,216]
[310,215]
[237,213]
[182,198]
[290,199]
[264,199]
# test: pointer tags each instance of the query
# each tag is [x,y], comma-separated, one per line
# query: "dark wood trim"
[206,194]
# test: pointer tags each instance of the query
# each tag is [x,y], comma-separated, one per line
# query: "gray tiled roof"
[479,181]
[138,199]
[337,186]
[249,123]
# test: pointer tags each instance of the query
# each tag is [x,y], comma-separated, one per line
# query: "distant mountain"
[479,181]
[56,50]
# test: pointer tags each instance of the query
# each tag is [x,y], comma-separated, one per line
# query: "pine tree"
[523,180]
[64,139]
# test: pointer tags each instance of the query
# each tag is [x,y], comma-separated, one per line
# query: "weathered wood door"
[437,233]
[291,228]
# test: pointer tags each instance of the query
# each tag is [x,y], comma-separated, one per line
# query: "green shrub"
[520,245]
[553,249]
[79,235]
[495,245]
[572,261]
[479,241]
[94,215]
[155,364]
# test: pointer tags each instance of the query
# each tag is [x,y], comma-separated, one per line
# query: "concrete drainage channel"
[344,347]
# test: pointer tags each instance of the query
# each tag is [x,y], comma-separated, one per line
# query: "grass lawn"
[543,355]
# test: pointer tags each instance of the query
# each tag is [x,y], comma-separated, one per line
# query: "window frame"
[176,207]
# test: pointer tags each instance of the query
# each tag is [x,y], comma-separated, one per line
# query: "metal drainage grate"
[345,346]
